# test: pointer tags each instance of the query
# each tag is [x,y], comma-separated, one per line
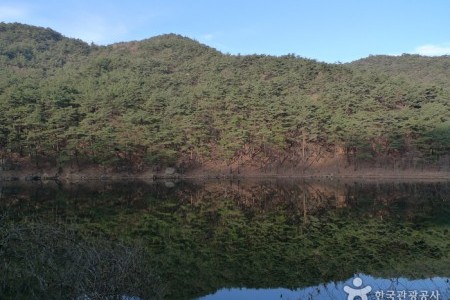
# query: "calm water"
[225,240]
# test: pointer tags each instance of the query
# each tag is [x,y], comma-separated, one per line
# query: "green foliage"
[169,97]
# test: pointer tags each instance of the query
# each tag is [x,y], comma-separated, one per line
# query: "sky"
[325,30]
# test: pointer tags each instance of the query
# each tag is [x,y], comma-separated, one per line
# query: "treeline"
[169,100]
[413,67]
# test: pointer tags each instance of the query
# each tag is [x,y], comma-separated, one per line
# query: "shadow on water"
[214,238]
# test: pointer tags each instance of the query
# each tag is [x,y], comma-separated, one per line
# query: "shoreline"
[363,175]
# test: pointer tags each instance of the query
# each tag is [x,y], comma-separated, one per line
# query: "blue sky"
[326,30]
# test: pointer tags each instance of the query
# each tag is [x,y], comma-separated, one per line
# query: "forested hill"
[422,69]
[171,101]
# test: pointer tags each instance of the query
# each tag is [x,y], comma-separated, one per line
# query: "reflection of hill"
[202,236]
[258,235]
[314,197]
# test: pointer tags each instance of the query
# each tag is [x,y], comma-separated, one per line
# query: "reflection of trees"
[258,197]
[312,232]
[311,197]
[262,197]
[41,261]
[201,236]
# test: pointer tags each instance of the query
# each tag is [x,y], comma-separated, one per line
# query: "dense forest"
[171,101]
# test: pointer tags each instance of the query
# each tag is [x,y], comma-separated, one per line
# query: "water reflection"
[204,237]
[393,288]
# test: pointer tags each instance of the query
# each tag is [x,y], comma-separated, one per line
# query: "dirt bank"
[203,173]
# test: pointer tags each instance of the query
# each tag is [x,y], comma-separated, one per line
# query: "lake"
[248,239]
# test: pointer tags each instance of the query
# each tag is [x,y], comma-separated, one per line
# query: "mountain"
[34,47]
[171,101]
[421,69]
